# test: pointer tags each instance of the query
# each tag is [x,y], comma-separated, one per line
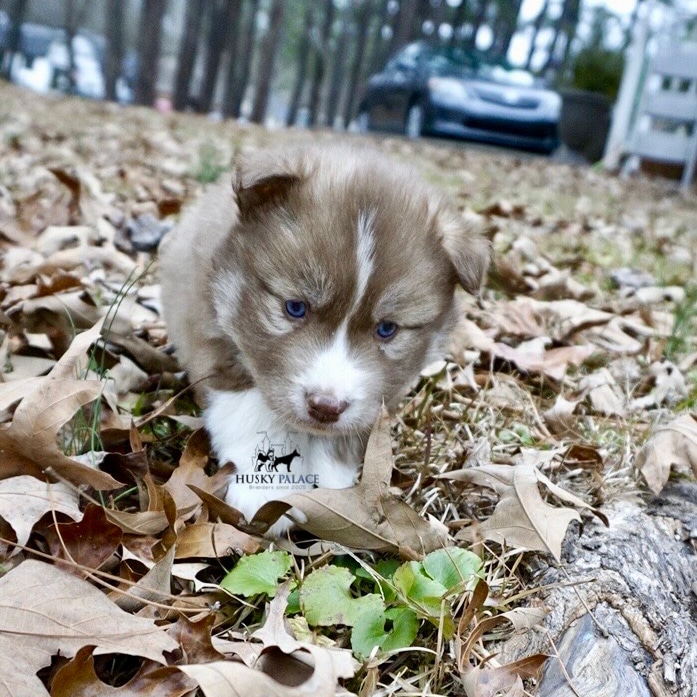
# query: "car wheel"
[414,123]
[363,121]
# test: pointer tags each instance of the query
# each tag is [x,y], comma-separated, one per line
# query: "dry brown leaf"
[211,540]
[44,610]
[282,670]
[522,518]
[672,445]
[155,585]
[368,515]
[533,357]
[25,499]
[90,542]
[604,394]
[78,679]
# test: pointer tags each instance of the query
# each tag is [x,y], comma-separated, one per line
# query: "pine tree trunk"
[380,47]
[233,66]
[149,51]
[223,16]
[320,63]
[457,21]
[188,49]
[363,17]
[479,19]
[404,28]
[246,51]
[113,31]
[301,75]
[537,25]
[17,15]
[338,74]
[266,65]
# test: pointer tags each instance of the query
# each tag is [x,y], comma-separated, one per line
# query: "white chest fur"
[271,460]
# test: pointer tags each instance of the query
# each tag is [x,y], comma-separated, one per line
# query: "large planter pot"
[585,122]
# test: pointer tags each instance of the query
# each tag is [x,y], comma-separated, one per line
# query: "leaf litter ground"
[116,545]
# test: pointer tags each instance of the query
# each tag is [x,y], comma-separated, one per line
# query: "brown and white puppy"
[304,297]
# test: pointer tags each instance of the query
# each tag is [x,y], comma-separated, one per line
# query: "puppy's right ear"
[256,194]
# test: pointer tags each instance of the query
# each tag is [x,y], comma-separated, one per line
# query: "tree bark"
[113,31]
[149,50]
[320,62]
[246,51]
[457,21]
[17,16]
[338,74]
[404,27]
[302,60]
[537,25]
[505,26]
[266,65]
[363,17]
[233,51]
[188,49]
[621,609]
[479,19]
[224,15]
[380,47]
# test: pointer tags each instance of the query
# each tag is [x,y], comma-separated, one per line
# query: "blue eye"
[295,309]
[386,329]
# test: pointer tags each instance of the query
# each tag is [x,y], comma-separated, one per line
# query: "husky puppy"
[304,296]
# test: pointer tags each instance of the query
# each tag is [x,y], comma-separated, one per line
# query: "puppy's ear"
[258,190]
[468,250]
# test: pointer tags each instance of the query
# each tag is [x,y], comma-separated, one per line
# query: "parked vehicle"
[432,90]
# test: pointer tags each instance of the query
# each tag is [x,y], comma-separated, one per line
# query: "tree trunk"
[379,48]
[301,75]
[224,16]
[505,27]
[363,17]
[320,62]
[621,609]
[149,51]
[537,25]
[114,46]
[233,66]
[266,65]
[246,51]
[338,74]
[479,19]
[404,28]
[188,48]
[17,15]
[457,21]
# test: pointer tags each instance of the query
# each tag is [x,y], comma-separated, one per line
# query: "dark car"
[431,90]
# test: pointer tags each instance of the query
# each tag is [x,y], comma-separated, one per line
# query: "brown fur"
[287,229]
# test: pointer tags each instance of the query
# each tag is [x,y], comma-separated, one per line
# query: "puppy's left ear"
[469,251]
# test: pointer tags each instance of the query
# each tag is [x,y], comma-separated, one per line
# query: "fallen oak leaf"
[28,445]
[77,678]
[522,518]
[212,540]
[365,516]
[24,500]
[672,445]
[44,610]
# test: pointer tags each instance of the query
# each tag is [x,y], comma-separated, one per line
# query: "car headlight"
[448,89]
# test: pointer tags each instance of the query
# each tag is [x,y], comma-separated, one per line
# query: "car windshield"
[455,62]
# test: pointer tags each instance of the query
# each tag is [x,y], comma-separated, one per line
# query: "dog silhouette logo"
[268,457]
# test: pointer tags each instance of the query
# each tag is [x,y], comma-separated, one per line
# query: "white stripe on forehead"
[365,251]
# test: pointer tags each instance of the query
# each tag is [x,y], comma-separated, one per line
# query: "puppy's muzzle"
[325,408]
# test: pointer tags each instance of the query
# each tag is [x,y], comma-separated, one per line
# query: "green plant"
[210,165]
[383,605]
[598,70]
[682,338]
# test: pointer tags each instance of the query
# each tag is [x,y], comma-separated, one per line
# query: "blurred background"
[531,74]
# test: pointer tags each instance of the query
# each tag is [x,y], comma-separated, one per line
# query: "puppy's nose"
[325,408]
